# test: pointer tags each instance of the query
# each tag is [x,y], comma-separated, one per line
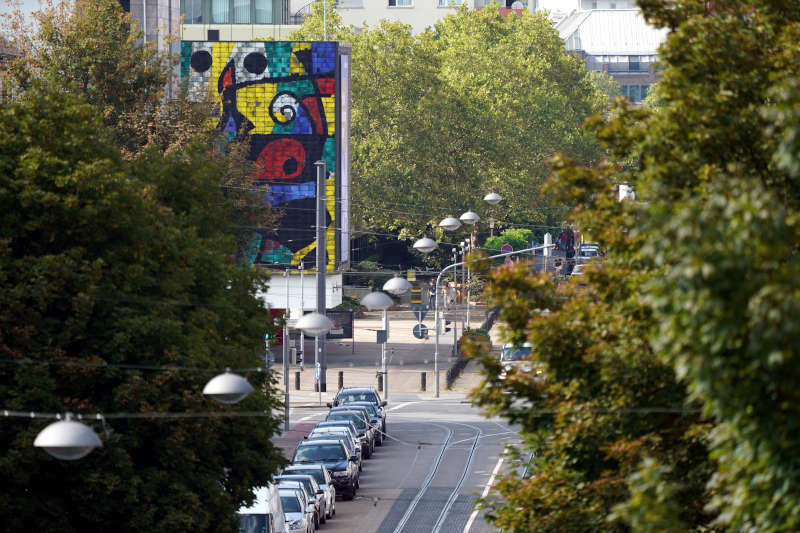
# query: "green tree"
[111,269]
[478,102]
[704,278]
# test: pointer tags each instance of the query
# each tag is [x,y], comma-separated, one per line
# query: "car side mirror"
[320,491]
[383,403]
[353,459]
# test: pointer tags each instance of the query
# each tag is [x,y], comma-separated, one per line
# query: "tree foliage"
[476,103]
[108,263]
[695,306]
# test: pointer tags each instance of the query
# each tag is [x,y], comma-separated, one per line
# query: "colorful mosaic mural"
[283,96]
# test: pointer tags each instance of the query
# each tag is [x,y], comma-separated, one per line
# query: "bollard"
[422,381]
[380,382]
[297,381]
[341,379]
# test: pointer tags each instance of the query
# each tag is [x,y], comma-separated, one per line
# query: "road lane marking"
[401,405]
[483,495]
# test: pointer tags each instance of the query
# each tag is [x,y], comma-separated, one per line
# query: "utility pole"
[320,355]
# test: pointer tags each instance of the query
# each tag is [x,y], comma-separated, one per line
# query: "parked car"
[375,419]
[361,423]
[361,394]
[265,515]
[512,357]
[310,498]
[333,454]
[297,518]
[324,480]
[314,490]
[365,412]
[341,433]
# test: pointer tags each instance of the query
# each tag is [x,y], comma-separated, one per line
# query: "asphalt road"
[439,458]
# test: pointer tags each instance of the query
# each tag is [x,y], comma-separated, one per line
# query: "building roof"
[610,32]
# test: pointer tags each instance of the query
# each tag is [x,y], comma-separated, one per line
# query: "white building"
[618,42]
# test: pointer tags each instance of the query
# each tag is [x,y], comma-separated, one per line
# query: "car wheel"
[350,494]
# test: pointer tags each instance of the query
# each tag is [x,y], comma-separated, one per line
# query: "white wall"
[421,15]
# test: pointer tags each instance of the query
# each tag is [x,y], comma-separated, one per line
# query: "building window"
[633,64]
[401,3]
[263,11]
[193,11]
[219,11]
[241,11]
[594,5]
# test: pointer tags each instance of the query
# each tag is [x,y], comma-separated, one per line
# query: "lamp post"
[320,355]
[382,301]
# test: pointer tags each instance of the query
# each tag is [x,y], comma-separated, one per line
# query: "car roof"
[319,442]
[309,466]
[288,476]
[509,345]
[262,504]
[357,389]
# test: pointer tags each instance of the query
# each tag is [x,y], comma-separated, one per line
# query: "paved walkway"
[359,360]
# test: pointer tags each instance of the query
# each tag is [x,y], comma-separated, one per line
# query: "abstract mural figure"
[282,96]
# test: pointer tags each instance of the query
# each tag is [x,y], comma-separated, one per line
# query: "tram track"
[447,445]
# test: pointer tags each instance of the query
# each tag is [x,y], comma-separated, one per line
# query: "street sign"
[421,331]
[382,336]
[317,370]
[420,310]
[506,249]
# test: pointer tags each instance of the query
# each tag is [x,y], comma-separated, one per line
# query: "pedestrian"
[446,294]
[431,294]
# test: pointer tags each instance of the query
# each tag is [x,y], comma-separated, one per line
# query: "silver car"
[324,480]
[314,490]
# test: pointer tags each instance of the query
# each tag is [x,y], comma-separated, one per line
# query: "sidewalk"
[407,358]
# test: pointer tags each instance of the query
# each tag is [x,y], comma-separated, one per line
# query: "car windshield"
[370,407]
[353,417]
[316,472]
[254,523]
[589,253]
[515,354]
[358,397]
[290,504]
[305,481]
[320,452]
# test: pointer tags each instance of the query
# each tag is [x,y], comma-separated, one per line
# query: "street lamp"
[492,198]
[397,286]
[469,218]
[314,324]
[227,388]
[68,440]
[381,301]
[450,224]
[425,245]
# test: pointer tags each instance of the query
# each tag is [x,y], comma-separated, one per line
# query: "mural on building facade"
[283,96]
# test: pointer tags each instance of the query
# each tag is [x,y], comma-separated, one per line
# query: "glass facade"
[230,11]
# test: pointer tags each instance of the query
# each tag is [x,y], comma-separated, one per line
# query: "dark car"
[362,394]
[374,418]
[333,454]
[353,448]
[351,428]
[361,422]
